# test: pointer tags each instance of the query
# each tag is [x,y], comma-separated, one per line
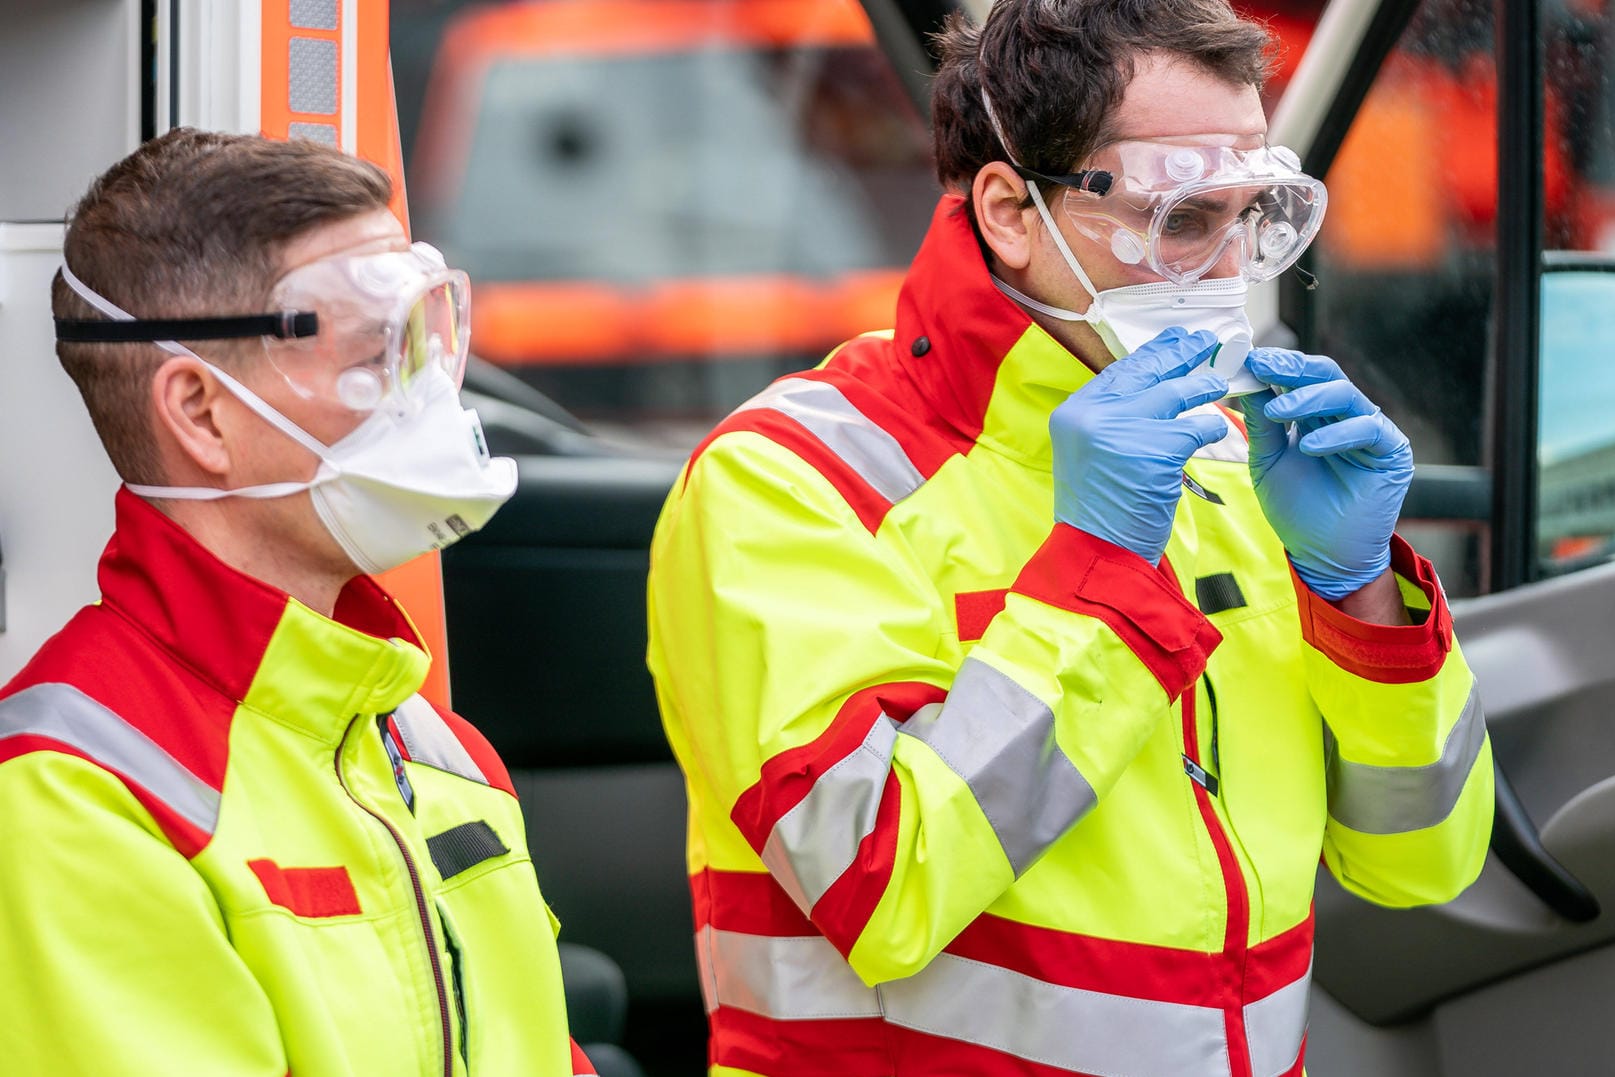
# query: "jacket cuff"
[1387,654]
[1075,571]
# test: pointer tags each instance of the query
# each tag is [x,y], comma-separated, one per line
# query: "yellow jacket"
[238,843]
[975,794]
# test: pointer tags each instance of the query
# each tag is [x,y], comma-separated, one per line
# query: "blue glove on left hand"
[1332,482]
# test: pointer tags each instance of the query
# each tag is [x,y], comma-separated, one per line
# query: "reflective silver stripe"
[799,978]
[314,132]
[999,738]
[63,713]
[1087,1031]
[993,733]
[863,446]
[1275,1026]
[311,76]
[429,740]
[1394,800]
[313,14]
[804,978]
[814,842]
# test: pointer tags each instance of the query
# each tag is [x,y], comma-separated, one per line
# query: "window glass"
[663,204]
[1405,260]
[1576,405]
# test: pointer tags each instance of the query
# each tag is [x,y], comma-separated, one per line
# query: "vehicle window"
[1405,260]
[1576,494]
[663,204]
[1576,405]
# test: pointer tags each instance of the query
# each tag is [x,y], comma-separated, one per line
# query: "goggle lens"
[1180,208]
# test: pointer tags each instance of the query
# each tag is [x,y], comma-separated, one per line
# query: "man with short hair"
[239,841]
[1019,687]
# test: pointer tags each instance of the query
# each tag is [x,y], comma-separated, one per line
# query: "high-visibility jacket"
[238,843]
[974,794]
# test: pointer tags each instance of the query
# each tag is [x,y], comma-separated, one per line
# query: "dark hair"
[191,224]
[1057,69]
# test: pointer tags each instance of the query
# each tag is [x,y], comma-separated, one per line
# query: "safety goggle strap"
[241,392]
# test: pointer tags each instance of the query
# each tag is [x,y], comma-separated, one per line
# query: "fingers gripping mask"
[1128,318]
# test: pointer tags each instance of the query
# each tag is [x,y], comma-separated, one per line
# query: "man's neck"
[272,558]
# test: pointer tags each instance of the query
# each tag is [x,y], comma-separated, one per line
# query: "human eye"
[1184,223]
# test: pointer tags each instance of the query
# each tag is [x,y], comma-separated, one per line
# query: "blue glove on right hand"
[1121,441]
[1330,469]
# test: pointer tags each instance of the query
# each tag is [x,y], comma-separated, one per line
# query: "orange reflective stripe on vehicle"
[581,323]
[609,27]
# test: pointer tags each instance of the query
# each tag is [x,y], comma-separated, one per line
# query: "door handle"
[1519,847]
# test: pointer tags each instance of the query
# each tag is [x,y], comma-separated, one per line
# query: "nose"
[1231,261]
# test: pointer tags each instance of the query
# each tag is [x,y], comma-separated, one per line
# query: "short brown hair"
[192,224]
[1057,69]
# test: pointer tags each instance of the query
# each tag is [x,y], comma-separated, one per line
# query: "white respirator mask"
[415,475]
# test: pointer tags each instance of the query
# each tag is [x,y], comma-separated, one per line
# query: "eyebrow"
[1208,203]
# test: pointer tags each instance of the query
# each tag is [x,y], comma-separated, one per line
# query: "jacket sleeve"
[113,955]
[1409,762]
[893,794]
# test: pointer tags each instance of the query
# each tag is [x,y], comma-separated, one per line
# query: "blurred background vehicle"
[664,203]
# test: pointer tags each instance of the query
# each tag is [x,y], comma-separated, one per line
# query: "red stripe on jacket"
[311,892]
[868,504]
[187,838]
[844,1047]
[1388,654]
[1075,571]
[787,778]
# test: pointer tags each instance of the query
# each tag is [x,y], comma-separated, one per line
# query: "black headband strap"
[286,325]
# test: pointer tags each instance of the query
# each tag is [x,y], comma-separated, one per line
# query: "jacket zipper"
[420,908]
[1236,937]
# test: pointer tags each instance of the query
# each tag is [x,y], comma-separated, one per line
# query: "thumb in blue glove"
[1329,468]
[1121,441]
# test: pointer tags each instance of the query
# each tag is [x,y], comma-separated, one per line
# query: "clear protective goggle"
[1178,207]
[357,330]
[384,320]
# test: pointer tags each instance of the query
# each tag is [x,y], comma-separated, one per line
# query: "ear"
[997,195]
[186,401]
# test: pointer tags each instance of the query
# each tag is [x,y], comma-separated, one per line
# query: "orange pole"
[418,586]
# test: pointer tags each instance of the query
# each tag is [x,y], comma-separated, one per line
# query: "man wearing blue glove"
[1019,685]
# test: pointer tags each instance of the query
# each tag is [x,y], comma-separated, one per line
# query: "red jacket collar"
[955,330]
[214,618]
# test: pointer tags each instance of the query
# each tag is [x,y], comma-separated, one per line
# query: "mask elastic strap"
[1042,211]
[1043,308]
[253,401]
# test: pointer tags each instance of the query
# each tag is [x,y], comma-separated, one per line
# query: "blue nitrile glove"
[1331,484]
[1120,442]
